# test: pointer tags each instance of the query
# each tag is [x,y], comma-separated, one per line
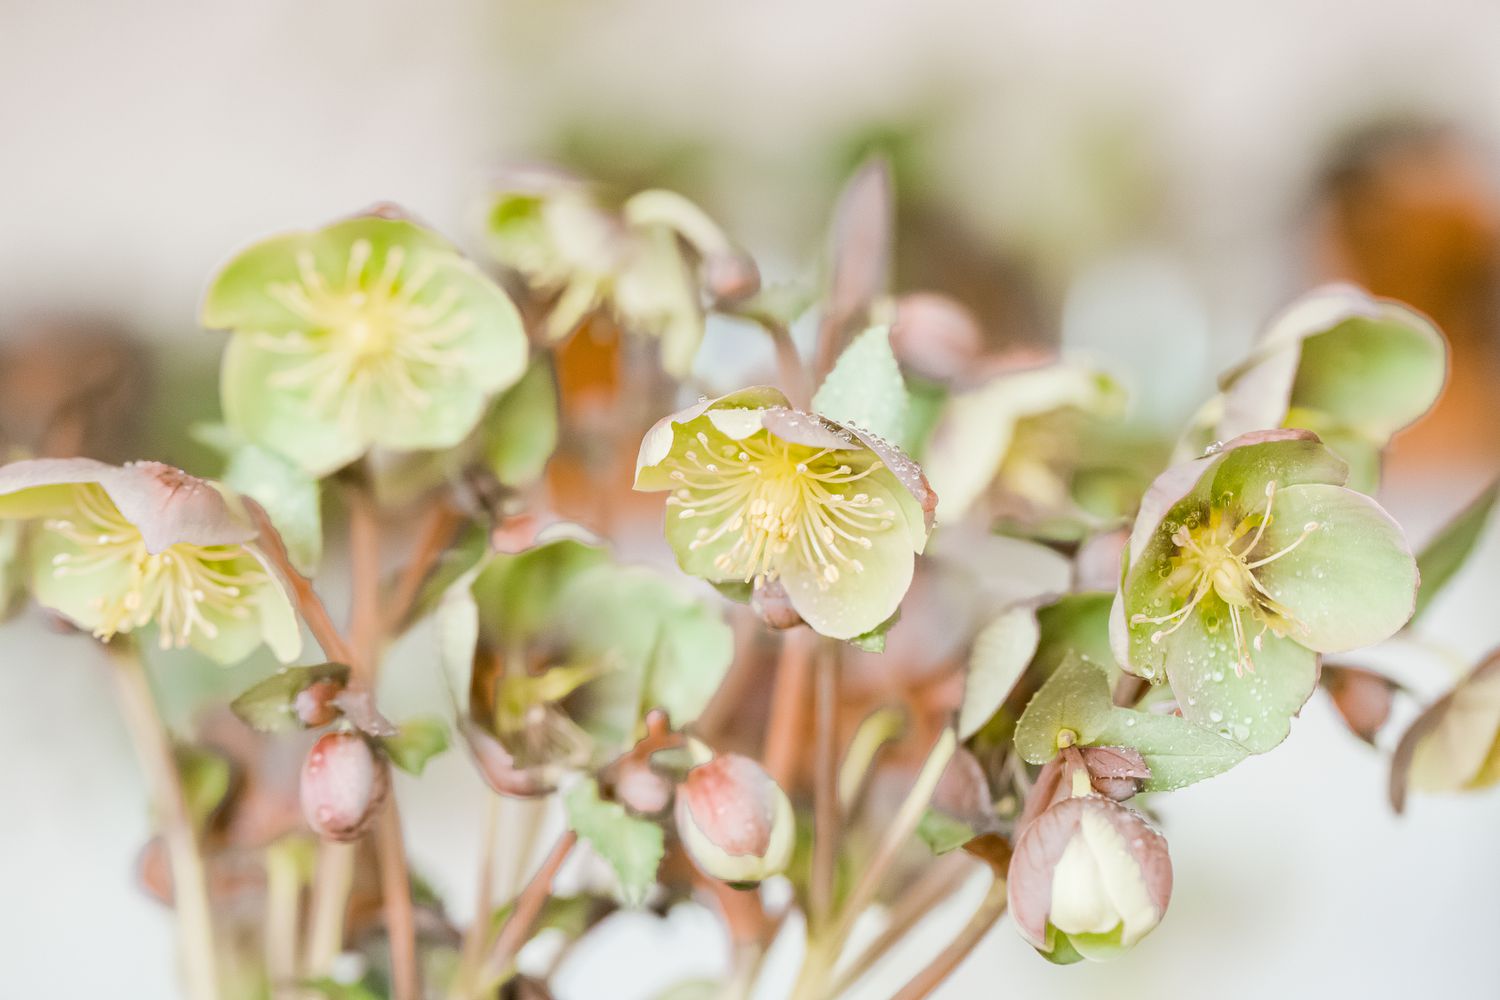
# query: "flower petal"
[1352,582]
[1255,710]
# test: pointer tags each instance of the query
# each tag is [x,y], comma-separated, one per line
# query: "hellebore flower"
[1349,367]
[1243,567]
[735,821]
[648,265]
[121,547]
[370,332]
[763,493]
[1012,433]
[1089,878]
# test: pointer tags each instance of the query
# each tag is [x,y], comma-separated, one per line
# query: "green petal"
[1352,582]
[238,300]
[858,601]
[1240,479]
[1254,710]
[282,420]
[77,596]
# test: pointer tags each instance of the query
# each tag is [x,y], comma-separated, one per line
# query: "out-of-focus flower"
[1351,368]
[735,821]
[122,547]
[343,785]
[370,332]
[1016,434]
[1089,879]
[1246,564]
[1454,744]
[649,265]
[761,492]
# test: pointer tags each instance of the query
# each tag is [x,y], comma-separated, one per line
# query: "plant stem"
[951,957]
[528,906]
[439,523]
[784,730]
[283,898]
[477,935]
[330,899]
[826,818]
[190,897]
[309,605]
[400,919]
[932,887]
[790,368]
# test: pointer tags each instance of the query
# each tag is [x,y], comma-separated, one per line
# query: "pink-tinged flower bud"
[734,820]
[730,277]
[343,786]
[771,602]
[1089,879]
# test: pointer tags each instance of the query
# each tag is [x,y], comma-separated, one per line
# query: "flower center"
[779,502]
[182,588]
[1214,558]
[369,342]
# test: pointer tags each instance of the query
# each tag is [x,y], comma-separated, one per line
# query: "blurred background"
[1145,184]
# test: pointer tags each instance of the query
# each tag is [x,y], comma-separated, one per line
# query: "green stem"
[190,898]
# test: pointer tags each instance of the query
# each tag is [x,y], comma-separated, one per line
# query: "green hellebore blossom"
[1242,568]
[370,332]
[122,547]
[1012,430]
[1349,367]
[762,493]
[634,264]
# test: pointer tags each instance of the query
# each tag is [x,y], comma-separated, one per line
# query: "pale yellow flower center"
[779,502]
[1213,557]
[182,588]
[369,343]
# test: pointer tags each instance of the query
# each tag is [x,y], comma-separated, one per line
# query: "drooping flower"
[1016,435]
[122,547]
[648,265]
[1089,879]
[1349,367]
[735,821]
[1242,568]
[761,493]
[370,332]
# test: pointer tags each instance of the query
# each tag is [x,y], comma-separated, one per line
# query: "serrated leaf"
[1001,652]
[943,833]
[1445,555]
[290,496]
[416,742]
[1076,698]
[1178,752]
[632,847]
[271,705]
[520,431]
[865,387]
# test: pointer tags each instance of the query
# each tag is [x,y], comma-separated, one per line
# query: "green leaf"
[205,776]
[873,641]
[632,847]
[941,832]
[1178,752]
[1076,699]
[865,387]
[271,705]
[418,741]
[1077,623]
[290,496]
[1001,653]
[520,431]
[1445,555]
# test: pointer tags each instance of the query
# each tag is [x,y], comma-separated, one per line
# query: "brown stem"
[790,369]
[309,605]
[477,935]
[364,573]
[190,898]
[400,920]
[528,906]
[438,526]
[784,730]
[951,957]
[935,885]
[826,818]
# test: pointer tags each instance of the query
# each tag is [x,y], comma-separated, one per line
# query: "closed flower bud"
[343,786]
[734,820]
[315,703]
[1089,879]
